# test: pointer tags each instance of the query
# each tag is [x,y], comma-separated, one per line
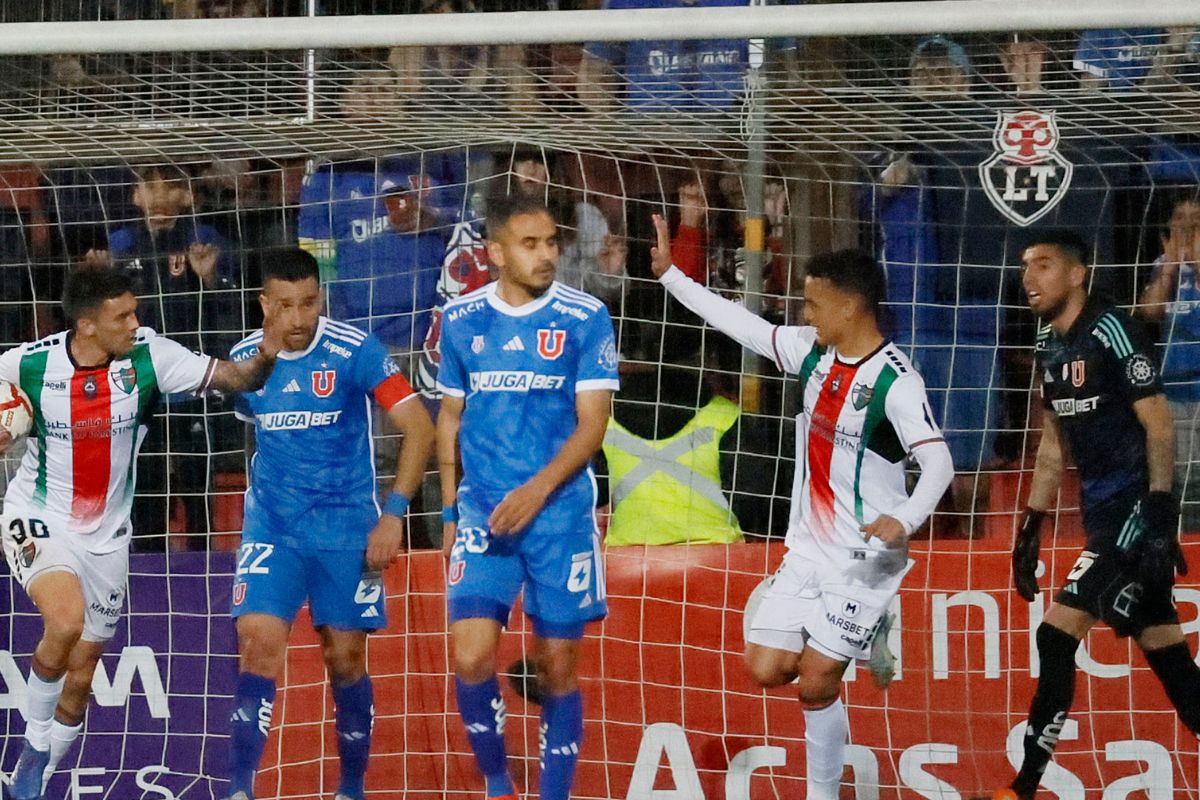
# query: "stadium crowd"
[397,236]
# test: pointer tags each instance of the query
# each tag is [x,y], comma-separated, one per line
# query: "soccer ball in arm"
[16,413]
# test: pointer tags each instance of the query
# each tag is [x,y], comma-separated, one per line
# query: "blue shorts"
[275,574]
[556,559]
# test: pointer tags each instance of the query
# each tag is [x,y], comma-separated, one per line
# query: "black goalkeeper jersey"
[1091,377]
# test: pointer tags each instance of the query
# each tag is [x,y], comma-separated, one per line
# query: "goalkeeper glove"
[1025,554]
[1160,555]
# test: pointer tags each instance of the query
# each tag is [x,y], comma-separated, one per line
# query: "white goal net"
[940,153]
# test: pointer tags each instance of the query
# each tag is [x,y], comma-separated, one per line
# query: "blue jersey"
[519,370]
[312,424]
[1181,336]
[380,277]
[674,74]
[1119,57]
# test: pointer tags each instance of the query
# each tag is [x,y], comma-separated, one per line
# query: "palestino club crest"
[124,379]
[1027,176]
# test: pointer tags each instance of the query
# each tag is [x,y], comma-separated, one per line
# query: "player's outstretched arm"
[728,317]
[449,422]
[412,420]
[520,506]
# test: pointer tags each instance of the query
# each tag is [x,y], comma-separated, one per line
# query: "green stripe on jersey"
[147,380]
[806,370]
[1114,331]
[147,388]
[876,413]
[33,373]
[807,367]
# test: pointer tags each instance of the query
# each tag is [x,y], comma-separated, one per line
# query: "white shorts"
[31,550]
[806,603]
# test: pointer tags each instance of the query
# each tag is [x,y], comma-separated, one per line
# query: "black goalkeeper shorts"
[1104,581]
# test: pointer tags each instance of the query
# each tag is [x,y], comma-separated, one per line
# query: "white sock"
[825,731]
[62,736]
[41,698]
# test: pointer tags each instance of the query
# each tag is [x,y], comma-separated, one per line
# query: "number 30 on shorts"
[21,529]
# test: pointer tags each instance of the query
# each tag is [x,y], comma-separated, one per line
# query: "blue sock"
[562,733]
[355,710]
[253,702]
[483,712]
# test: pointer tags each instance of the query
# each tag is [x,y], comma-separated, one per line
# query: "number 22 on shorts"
[252,557]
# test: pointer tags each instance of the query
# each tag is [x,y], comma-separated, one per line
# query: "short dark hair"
[852,271]
[1068,242]
[290,264]
[87,289]
[502,208]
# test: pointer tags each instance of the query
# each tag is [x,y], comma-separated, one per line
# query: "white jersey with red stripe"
[858,423]
[79,469]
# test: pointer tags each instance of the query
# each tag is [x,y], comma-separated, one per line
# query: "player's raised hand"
[1025,554]
[275,330]
[660,254]
[202,259]
[385,543]
[888,530]
[518,508]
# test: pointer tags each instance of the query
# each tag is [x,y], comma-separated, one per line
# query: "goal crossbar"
[842,19]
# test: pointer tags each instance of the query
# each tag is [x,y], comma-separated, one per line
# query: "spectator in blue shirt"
[665,75]
[1172,298]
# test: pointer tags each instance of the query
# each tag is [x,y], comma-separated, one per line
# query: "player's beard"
[537,290]
[1053,312]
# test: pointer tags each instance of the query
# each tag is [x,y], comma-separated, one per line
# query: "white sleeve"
[907,408]
[937,470]
[177,369]
[10,365]
[787,346]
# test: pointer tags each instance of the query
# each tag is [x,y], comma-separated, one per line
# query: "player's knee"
[767,675]
[817,694]
[768,671]
[346,662]
[63,630]
[262,645]
[474,665]
[557,675]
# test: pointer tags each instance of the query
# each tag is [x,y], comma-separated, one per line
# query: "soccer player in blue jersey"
[528,370]
[313,528]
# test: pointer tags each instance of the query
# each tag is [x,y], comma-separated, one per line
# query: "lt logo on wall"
[1027,176]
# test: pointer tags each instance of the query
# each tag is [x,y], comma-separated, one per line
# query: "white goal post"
[532,27]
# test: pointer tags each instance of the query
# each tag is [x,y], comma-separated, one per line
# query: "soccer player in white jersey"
[65,525]
[863,414]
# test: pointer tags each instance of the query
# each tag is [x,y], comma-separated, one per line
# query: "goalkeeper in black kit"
[1103,399]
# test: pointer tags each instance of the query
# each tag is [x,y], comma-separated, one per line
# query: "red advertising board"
[671,714]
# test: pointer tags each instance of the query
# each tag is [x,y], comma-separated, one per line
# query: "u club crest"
[1027,176]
